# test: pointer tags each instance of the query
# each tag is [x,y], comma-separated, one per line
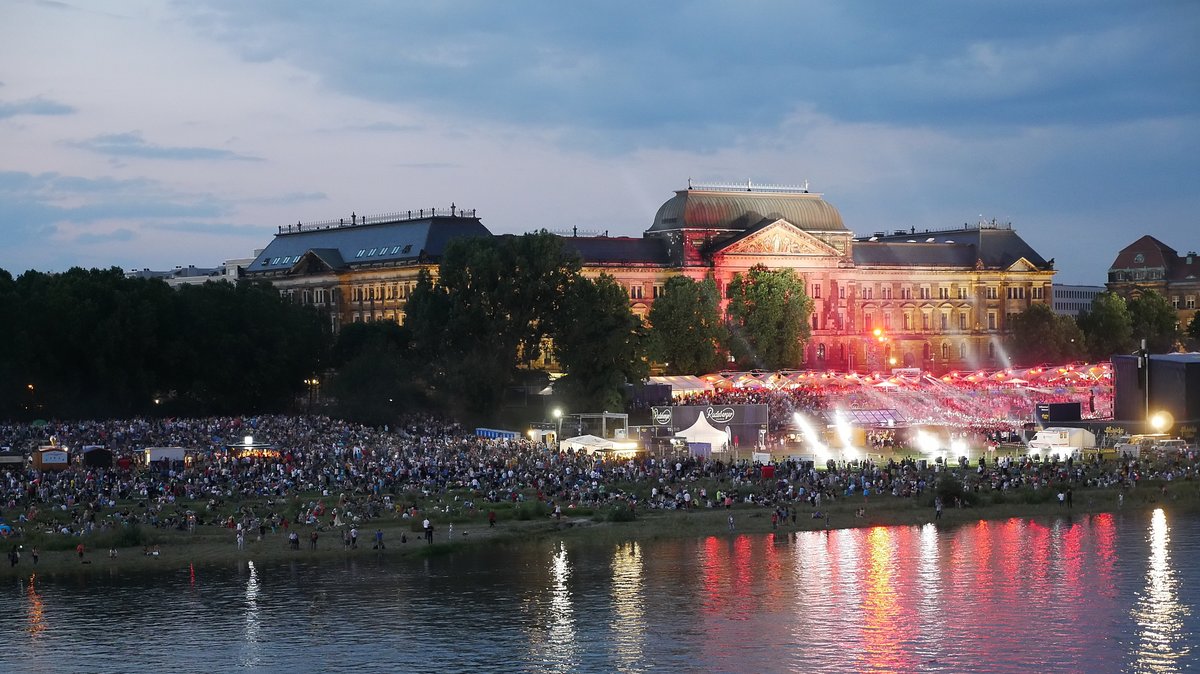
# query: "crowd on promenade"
[327,474]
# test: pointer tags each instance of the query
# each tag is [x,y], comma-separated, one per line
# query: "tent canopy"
[683,384]
[703,432]
[587,443]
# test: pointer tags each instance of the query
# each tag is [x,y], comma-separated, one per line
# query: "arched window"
[945,351]
[962,351]
[820,352]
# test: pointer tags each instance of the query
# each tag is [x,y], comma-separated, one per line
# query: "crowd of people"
[329,475]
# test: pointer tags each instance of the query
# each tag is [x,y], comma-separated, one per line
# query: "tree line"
[93,343]
[1112,325]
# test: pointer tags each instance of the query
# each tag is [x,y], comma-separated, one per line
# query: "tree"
[490,309]
[373,380]
[768,317]
[1106,327]
[1193,330]
[1040,336]
[686,330]
[1153,319]
[600,344]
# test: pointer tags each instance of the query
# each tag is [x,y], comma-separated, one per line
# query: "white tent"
[586,443]
[164,454]
[702,431]
[682,384]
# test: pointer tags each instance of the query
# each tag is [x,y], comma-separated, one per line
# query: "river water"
[1093,593]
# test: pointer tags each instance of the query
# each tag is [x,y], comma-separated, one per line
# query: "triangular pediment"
[779,237]
[1021,264]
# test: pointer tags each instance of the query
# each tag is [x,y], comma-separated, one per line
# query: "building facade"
[941,300]
[1150,264]
[1072,300]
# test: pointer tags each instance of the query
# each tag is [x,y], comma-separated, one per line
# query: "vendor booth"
[51,457]
[97,456]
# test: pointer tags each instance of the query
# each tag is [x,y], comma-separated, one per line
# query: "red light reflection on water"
[887,610]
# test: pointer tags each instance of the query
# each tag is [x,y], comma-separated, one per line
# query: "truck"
[1062,442]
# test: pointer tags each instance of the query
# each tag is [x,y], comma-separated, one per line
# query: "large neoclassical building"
[942,299]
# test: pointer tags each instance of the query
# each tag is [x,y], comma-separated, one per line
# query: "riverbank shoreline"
[207,546]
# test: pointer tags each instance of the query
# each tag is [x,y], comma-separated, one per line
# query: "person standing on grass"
[379,539]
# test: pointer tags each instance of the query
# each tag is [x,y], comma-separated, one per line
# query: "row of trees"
[92,343]
[499,305]
[1113,325]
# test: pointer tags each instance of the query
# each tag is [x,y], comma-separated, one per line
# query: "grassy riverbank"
[517,524]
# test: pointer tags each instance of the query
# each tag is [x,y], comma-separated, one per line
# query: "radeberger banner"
[742,422]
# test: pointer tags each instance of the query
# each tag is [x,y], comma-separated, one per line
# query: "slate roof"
[398,241]
[997,247]
[619,249]
[901,254]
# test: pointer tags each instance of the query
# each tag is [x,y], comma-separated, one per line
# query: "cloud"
[222,229]
[289,198]
[35,203]
[427,165]
[115,236]
[699,74]
[376,127]
[34,106]
[131,144]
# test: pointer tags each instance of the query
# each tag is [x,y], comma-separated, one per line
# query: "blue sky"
[154,134]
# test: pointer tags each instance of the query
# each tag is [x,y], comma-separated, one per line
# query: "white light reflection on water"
[556,648]
[1158,613]
[250,652]
[628,625]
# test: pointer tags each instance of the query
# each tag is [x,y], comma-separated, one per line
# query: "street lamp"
[557,413]
[1161,422]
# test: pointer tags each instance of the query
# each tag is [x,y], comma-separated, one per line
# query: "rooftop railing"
[356,220]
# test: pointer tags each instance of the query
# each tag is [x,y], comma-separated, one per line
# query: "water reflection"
[37,612]
[555,649]
[628,626]
[883,627]
[1158,613]
[250,651]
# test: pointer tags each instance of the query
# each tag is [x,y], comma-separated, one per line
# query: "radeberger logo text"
[720,416]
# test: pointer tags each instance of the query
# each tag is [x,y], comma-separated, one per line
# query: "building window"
[887,321]
[991,350]
[963,320]
[820,352]
[945,351]
[962,351]
[814,321]
[992,293]
[925,321]
[886,292]
[924,292]
[841,292]
[1036,292]
[945,321]
[1174,301]
[1016,293]
[868,292]
[943,293]
[962,292]
[816,288]
[867,322]
[906,293]
[991,320]
[635,291]
[657,291]
[1191,302]
[907,321]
